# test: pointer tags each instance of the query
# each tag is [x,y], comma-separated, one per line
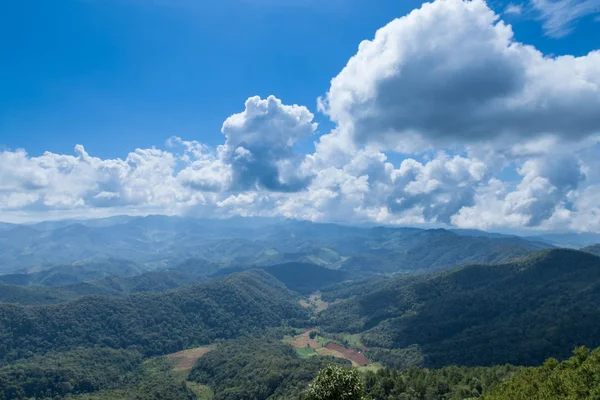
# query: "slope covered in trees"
[576,378]
[35,295]
[519,313]
[153,323]
[59,374]
[61,275]
[257,369]
[153,281]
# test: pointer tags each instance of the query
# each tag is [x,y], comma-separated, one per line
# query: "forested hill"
[594,249]
[153,281]
[61,275]
[434,249]
[156,323]
[519,313]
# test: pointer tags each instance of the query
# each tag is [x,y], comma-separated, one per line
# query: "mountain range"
[161,242]
[100,309]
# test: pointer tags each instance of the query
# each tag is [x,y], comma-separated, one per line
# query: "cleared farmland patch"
[185,360]
[306,347]
[357,358]
[314,302]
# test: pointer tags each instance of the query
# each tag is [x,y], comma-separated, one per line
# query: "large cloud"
[451,73]
[494,134]
[260,141]
[56,181]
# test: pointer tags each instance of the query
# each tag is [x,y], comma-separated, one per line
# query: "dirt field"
[357,358]
[304,341]
[185,360]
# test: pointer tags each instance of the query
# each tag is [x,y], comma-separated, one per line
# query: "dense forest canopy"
[520,312]
[153,323]
[97,330]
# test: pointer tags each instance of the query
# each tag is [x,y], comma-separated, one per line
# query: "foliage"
[336,383]
[62,275]
[397,251]
[152,381]
[577,378]
[448,383]
[517,313]
[153,281]
[59,374]
[410,356]
[153,323]
[257,369]
[305,278]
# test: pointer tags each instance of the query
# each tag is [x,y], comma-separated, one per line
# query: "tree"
[336,383]
[312,334]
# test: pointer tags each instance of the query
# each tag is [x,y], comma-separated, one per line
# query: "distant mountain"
[478,233]
[22,291]
[520,312]
[306,278]
[570,240]
[37,295]
[156,323]
[300,277]
[436,249]
[94,223]
[77,272]
[162,242]
[153,281]
[4,226]
[594,249]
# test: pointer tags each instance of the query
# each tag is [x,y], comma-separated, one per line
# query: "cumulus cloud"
[259,145]
[548,185]
[66,181]
[451,73]
[442,118]
[439,188]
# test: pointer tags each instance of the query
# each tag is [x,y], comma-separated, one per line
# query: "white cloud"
[494,134]
[450,73]
[259,145]
[560,16]
[513,9]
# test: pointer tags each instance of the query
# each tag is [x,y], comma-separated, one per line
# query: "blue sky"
[118,75]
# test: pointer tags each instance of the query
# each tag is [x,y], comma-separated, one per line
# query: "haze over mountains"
[156,242]
[129,290]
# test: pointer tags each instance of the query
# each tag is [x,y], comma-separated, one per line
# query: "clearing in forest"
[185,360]
[307,347]
[357,357]
[315,302]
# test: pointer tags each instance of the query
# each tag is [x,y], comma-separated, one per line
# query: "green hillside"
[257,369]
[153,323]
[519,313]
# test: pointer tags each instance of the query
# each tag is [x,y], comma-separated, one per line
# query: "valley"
[237,328]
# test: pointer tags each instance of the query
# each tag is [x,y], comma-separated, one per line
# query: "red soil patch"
[351,355]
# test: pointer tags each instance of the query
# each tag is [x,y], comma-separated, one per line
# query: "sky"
[468,114]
